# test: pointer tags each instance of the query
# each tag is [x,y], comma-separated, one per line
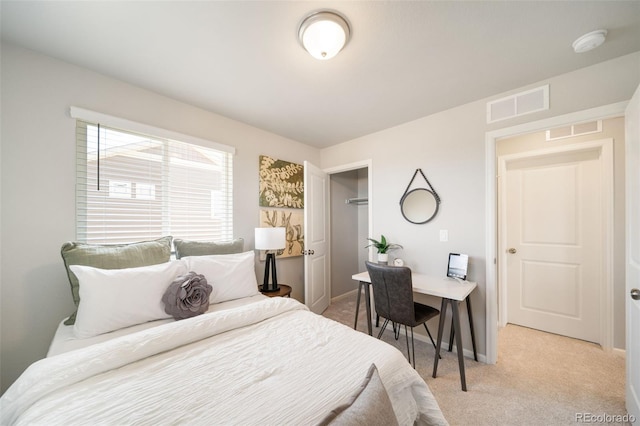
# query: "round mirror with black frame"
[419,205]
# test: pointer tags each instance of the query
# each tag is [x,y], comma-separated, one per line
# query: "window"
[132,187]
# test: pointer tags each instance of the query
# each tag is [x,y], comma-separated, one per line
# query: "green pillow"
[186,248]
[111,256]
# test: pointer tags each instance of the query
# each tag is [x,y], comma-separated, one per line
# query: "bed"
[246,360]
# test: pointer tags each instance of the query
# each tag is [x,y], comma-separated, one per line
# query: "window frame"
[88,117]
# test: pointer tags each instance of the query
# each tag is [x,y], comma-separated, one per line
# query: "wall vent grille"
[522,103]
[574,130]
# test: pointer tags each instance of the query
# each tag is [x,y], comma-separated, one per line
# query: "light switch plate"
[444,235]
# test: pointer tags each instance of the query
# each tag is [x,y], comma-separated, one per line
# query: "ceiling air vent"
[519,104]
[574,130]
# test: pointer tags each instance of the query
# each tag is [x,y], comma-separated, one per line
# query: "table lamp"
[270,239]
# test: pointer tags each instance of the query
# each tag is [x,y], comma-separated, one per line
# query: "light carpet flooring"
[539,379]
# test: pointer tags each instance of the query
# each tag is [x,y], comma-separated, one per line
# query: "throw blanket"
[271,362]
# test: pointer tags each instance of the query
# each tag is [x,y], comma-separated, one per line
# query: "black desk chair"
[393,297]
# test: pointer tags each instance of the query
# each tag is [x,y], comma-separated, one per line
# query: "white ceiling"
[405,60]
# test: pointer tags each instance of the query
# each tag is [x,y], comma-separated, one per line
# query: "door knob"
[512,250]
[635,294]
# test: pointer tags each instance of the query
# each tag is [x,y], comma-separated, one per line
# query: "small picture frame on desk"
[457,266]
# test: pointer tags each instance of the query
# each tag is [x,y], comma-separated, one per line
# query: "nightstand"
[285,291]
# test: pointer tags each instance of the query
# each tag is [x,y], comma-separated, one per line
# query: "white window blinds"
[132,187]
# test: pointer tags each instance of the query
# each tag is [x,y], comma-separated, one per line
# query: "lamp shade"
[323,34]
[270,238]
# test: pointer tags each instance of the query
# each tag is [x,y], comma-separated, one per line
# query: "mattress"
[271,361]
[65,341]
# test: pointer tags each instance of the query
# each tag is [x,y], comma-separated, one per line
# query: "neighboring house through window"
[134,186]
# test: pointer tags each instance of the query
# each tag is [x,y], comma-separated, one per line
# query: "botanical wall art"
[292,221]
[282,193]
[281,183]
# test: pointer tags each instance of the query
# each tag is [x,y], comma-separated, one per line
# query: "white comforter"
[271,362]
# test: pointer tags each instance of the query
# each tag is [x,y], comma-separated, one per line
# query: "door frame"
[368,164]
[605,148]
[491,207]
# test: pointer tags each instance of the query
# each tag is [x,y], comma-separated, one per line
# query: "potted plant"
[383,246]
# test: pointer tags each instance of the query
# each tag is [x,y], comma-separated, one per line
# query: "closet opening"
[350,221]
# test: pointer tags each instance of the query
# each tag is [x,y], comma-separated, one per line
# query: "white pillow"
[111,299]
[232,276]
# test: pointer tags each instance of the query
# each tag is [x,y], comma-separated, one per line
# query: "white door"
[317,287]
[632,181]
[555,238]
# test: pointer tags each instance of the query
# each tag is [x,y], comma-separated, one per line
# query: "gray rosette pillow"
[187,296]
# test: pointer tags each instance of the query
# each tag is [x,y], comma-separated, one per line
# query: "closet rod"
[356,200]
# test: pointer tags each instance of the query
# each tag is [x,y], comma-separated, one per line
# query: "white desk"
[451,291]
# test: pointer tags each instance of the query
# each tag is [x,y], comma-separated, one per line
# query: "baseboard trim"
[444,345]
[619,352]
[467,353]
[344,296]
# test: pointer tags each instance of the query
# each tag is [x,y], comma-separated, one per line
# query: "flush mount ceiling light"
[589,41]
[323,34]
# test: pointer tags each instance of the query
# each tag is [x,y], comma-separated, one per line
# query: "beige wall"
[38,192]
[611,128]
[450,148]
[38,177]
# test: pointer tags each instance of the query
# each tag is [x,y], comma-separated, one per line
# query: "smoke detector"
[589,41]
